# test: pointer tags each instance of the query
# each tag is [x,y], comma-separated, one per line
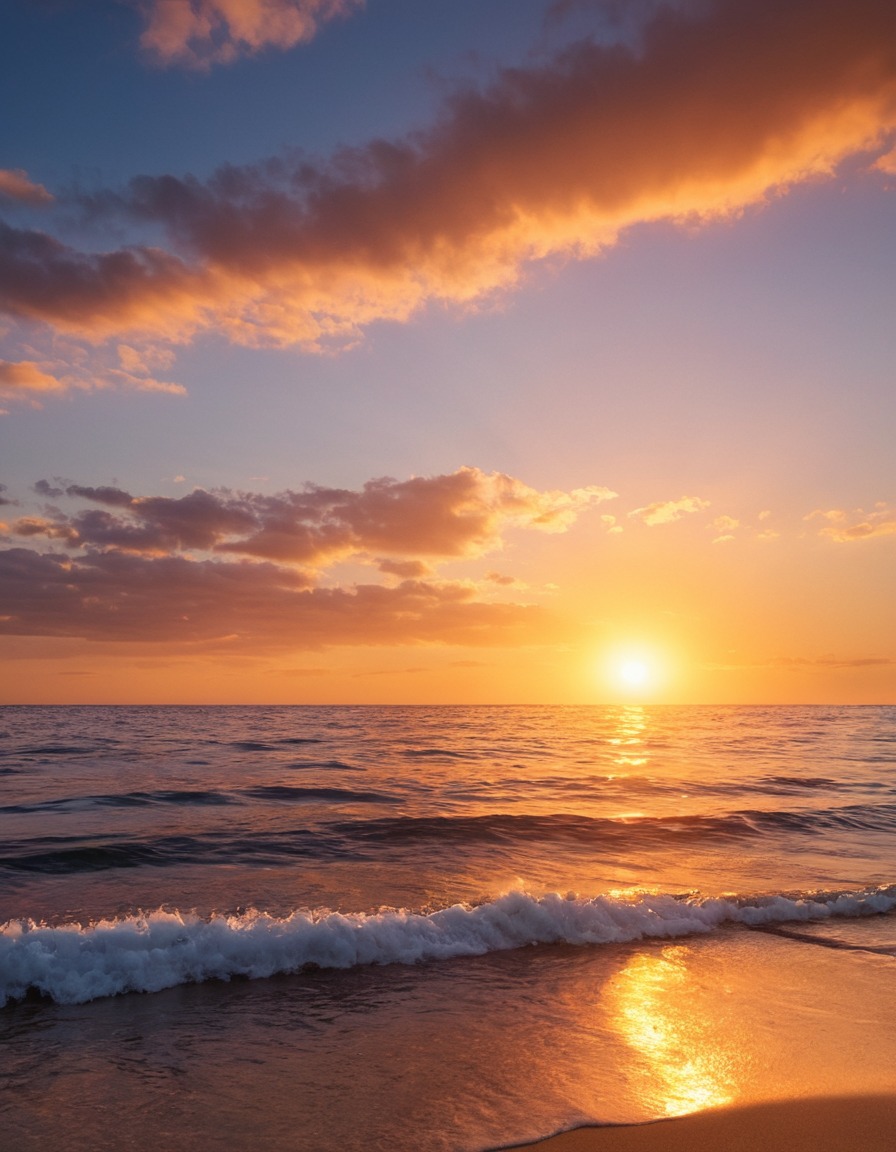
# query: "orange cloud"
[15,185]
[846,527]
[25,377]
[96,296]
[722,104]
[141,363]
[500,578]
[666,512]
[886,163]
[40,526]
[406,569]
[143,383]
[114,596]
[199,33]
[463,513]
[160,569]
[25,380]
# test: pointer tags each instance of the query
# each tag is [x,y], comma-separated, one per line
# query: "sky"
[467,351]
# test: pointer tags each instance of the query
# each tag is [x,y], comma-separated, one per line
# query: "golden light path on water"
[677,1055]
[628,742]
[629,738]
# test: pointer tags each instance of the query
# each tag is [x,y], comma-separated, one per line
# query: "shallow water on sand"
[457,1055]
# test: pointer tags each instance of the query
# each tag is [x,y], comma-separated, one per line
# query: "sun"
[633,671]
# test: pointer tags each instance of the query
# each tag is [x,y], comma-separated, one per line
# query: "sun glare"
[633,672]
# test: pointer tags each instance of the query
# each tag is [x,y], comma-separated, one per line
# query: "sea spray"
[72,964]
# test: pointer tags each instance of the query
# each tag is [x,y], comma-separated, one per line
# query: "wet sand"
[828,1124]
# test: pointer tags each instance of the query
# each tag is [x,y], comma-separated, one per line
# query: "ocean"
[445,928]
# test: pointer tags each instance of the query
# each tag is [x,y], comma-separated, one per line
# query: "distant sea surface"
[326,928]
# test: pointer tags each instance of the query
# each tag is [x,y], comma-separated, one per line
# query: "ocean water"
[319,928]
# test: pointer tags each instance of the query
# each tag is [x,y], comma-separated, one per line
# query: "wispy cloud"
[887,163]
[555,158]
[405,569]
[847,527]
[15,185]
[414,670]
[28,380]
[668,511]
[807,663]
[831,662]
[25,378]
[200,33]
[726,527]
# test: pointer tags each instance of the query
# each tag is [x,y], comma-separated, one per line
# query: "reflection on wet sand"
[684,1062]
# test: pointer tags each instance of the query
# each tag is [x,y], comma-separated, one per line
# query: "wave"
[60,749]
[437,754]
[641,831]
[264,746]
[121,800]
[72,964]
[289,792]
[338,765]
[359,839]
[56,855]
[202,797]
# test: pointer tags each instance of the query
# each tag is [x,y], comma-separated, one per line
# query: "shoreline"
[862,1123]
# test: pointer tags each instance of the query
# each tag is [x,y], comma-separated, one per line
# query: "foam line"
[73,964]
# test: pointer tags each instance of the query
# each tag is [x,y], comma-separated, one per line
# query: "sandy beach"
[829,1124]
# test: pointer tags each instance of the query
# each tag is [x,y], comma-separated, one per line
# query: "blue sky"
[717,329]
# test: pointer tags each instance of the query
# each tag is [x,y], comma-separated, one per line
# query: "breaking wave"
[72,964]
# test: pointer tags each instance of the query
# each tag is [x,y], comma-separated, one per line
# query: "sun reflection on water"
[686,1066]
[630,725]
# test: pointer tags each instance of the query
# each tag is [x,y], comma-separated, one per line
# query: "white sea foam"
[146,953]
